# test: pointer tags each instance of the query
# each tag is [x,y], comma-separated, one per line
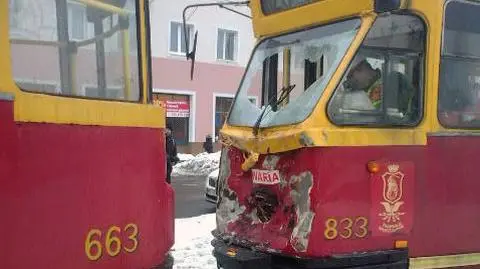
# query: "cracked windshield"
[291,72]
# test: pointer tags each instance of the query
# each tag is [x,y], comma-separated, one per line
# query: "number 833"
[346,228]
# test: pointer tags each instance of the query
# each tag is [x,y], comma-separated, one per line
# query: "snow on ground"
[201,165]
[193,249]
[185,157]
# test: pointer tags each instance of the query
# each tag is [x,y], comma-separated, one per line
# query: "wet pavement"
[190,197]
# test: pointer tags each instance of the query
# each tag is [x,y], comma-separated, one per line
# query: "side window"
[383,84]
[459,86]
[64,48]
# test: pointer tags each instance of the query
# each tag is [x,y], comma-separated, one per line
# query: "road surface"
[190,197]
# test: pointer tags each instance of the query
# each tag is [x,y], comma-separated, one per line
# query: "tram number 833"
[113,242]
[346,228]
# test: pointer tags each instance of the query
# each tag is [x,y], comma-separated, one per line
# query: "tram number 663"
[113,243]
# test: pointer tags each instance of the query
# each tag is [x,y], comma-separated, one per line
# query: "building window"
[227,45]
[222,107]
[459,87]
[177,37]
[383,85]
[76,22]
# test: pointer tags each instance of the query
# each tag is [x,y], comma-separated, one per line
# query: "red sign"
[266,177]
[392,199]
[175,109]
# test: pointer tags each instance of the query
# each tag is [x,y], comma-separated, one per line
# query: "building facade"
[197,108]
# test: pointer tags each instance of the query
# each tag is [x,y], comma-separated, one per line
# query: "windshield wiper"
[285,91]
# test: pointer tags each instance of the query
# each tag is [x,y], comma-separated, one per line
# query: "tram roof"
[271,17]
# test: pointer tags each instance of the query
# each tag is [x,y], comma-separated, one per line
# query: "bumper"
[210,195]
[233,257]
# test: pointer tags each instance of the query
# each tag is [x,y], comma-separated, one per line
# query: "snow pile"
[193,247]
[185,157]
[201,165]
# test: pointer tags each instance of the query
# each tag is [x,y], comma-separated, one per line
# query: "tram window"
[459,87]
[292,66]
[382,86]
[77,48]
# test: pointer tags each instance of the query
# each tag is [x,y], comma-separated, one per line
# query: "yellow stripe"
[445,261]
[105,7]
[30,107]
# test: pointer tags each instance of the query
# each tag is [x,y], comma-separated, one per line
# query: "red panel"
[450,203]
[64,180]
[439,213]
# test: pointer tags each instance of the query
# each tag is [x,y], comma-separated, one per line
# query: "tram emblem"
[392,200]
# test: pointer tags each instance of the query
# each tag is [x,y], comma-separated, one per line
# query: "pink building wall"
[174,74]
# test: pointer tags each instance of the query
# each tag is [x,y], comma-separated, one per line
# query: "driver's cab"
[382,85]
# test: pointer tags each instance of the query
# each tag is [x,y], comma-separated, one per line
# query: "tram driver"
[366,89]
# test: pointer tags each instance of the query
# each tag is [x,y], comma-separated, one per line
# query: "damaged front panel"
[267,207]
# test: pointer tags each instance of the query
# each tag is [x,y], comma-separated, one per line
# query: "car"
[210,186]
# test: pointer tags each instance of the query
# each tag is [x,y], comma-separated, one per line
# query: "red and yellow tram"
[82,154]
[363,153]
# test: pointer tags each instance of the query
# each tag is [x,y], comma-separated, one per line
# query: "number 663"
[113,243]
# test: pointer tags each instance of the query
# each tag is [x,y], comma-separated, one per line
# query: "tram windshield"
[289,73]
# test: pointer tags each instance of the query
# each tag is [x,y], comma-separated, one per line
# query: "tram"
[363,152]
[82,149]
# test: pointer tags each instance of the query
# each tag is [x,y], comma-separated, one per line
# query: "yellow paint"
[320,12]
[449,261]
[231,252]
[143,49]
[347,224]
[401,244]
[43,108]
[93,248]
[31,107]
[132,236]
[250,161]
[345,228]
[104,6]
[127,91]
[113,243]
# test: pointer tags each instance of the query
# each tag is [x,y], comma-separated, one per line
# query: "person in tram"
[363,79]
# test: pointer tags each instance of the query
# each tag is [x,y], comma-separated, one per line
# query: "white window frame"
[236,45]
[193,111]
[214,105]
[70,21]
[179,38]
